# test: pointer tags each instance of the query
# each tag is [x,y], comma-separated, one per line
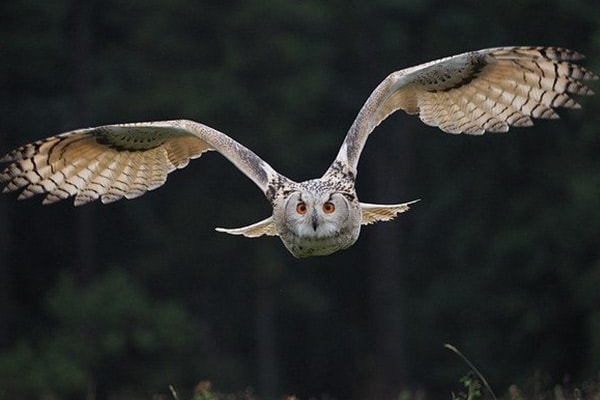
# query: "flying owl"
[481,91]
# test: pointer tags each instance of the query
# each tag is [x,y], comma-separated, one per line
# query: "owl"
[481,91]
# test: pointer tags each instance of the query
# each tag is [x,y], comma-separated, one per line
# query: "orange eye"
[301,208]
[328,207]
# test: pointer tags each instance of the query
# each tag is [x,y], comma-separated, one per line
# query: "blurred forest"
[500,258]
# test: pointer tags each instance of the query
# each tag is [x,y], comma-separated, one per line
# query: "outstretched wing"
[264,227]
[115,161]
[486,90]
[372,213]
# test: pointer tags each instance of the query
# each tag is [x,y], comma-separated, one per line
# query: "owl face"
[316,215]
[319,223]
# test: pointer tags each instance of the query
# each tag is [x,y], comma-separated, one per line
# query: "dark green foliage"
[500,257]
[472,388]
[109,334]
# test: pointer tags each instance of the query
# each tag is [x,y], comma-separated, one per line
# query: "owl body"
[488,90]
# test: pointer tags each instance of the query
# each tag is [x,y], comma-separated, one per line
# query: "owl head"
[318,222]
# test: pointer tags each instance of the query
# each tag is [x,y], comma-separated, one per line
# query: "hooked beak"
[315,221]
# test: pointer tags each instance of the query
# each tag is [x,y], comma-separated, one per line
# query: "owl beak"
[315,221]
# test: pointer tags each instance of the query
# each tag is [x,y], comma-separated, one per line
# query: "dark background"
[500,258]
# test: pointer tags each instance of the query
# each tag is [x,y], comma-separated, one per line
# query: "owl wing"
[372,213]
[115,161]
[264,227]
[481,91]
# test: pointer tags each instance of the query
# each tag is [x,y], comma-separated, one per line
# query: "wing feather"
[115,161]
[372,213]
[264,227]
[482,91]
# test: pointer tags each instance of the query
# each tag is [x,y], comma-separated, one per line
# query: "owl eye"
[328,207]
[301,208]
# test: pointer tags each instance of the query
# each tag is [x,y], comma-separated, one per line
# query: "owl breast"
[308,245]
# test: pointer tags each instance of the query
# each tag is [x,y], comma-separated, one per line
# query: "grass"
[473,386]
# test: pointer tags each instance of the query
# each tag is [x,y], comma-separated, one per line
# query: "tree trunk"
[5,287]
[6,297]
[385,259]
[265,327]
[80,42]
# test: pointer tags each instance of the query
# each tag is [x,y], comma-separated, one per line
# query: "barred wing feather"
[115,161]
[481,91]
